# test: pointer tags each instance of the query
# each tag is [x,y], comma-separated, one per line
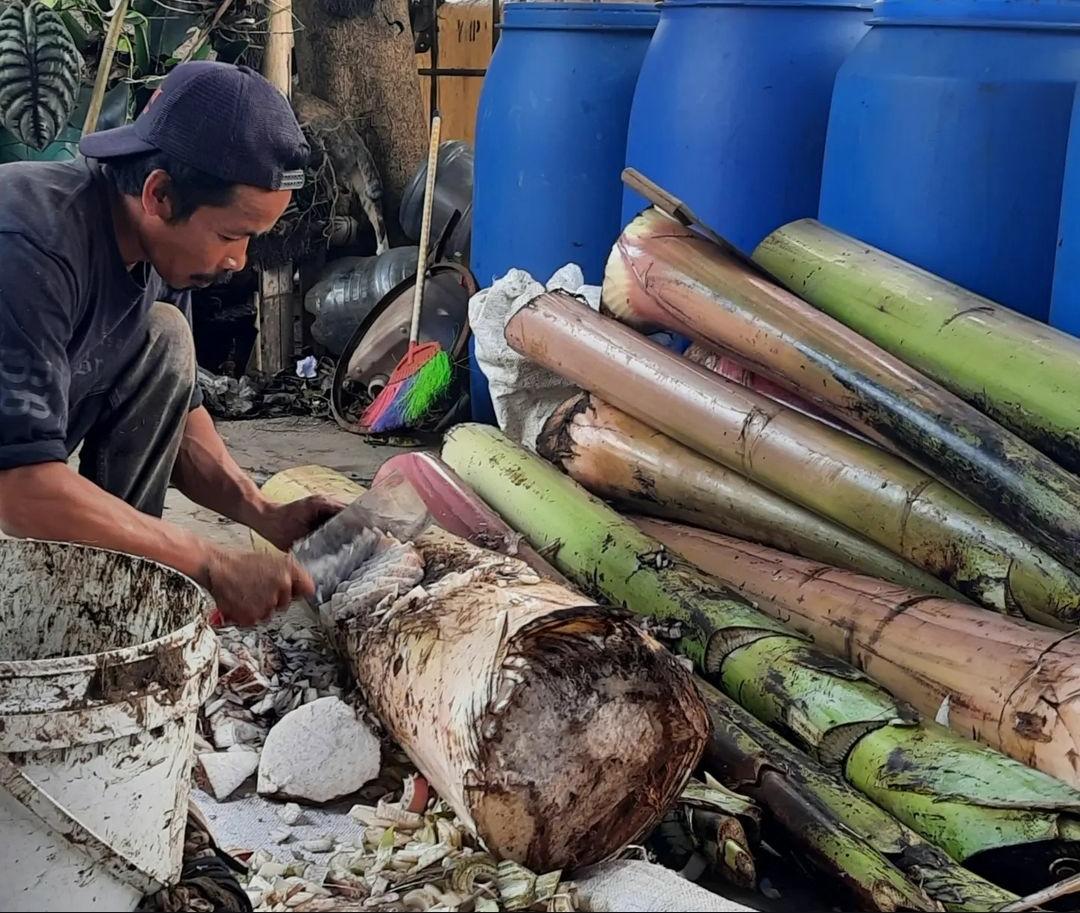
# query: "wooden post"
[276,298]
[112,37]
[465,43]
[277,57]
[275,309]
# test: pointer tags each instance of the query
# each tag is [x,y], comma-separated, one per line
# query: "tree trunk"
[365,66]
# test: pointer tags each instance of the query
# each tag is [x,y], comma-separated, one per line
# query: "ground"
[266,446]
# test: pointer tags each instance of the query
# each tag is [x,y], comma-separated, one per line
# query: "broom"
[421,378]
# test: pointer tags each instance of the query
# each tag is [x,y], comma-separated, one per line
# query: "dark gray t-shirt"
[71,315]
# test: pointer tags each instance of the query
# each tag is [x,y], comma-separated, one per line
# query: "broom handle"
[425,228]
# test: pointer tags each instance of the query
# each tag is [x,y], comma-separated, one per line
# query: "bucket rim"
[1009,14]
[87,662]
[578,15]
[57,720]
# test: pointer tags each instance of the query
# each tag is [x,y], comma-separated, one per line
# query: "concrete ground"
[265,446]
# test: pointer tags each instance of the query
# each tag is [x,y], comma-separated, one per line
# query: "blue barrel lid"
[793,4]
[530,14]
[992,13]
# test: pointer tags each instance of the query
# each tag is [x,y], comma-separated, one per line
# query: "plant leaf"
[40,72]
[142,47]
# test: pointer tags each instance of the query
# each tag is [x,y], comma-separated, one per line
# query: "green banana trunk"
[849,481]
[834,711]
[1018,371]
[663,276]
[626,462]
[844,833]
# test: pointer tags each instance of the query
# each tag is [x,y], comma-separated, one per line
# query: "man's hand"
[207,474]
[284,524]
[248,587]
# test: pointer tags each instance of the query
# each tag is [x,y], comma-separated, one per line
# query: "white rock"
[319,752]
[291,813]
[225,771]
[271,870]
[281,835]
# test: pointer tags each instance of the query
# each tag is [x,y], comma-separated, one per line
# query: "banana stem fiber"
[854,484]
[642,471]
[797,792]
[1020,372]
[663,276]
[1008,683]
[987,811]
[516,696]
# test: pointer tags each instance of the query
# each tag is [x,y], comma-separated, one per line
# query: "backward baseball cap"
[224,120]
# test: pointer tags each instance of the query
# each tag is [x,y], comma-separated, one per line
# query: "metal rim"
[342,370]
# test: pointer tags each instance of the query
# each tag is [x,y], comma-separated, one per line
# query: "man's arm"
[206,473]
[51,501]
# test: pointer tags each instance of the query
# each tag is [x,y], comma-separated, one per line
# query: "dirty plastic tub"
[104,661]
[550,143]
[732,105]
[947,140]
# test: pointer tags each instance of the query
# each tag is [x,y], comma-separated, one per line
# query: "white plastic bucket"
[104,661]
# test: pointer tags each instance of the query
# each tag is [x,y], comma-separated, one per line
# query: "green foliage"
[156,36]
[40,72]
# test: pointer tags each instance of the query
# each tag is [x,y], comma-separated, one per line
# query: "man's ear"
[156,196]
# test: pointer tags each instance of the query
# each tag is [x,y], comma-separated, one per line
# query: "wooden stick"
[425,228]
[207,29]
[671,205]
[277,59]
[1032,901]
[112,39]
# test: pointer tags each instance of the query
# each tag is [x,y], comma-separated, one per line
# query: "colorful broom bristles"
[419,381]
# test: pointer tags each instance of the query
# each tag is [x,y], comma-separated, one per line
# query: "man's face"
[211,244]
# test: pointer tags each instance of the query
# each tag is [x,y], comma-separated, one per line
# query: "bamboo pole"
[101,80]
[277,56]
[871,492]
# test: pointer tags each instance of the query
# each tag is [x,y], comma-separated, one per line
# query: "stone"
[318,752]
[225,771]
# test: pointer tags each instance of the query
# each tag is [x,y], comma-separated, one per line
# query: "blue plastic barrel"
[551,141]
[1065,300]
[732,105]
[947,140]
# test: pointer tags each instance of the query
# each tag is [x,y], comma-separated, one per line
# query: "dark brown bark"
[365,66]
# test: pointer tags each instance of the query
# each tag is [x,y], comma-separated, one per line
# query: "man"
[97,259]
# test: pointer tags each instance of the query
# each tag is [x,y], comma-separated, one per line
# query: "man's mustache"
[205,279]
